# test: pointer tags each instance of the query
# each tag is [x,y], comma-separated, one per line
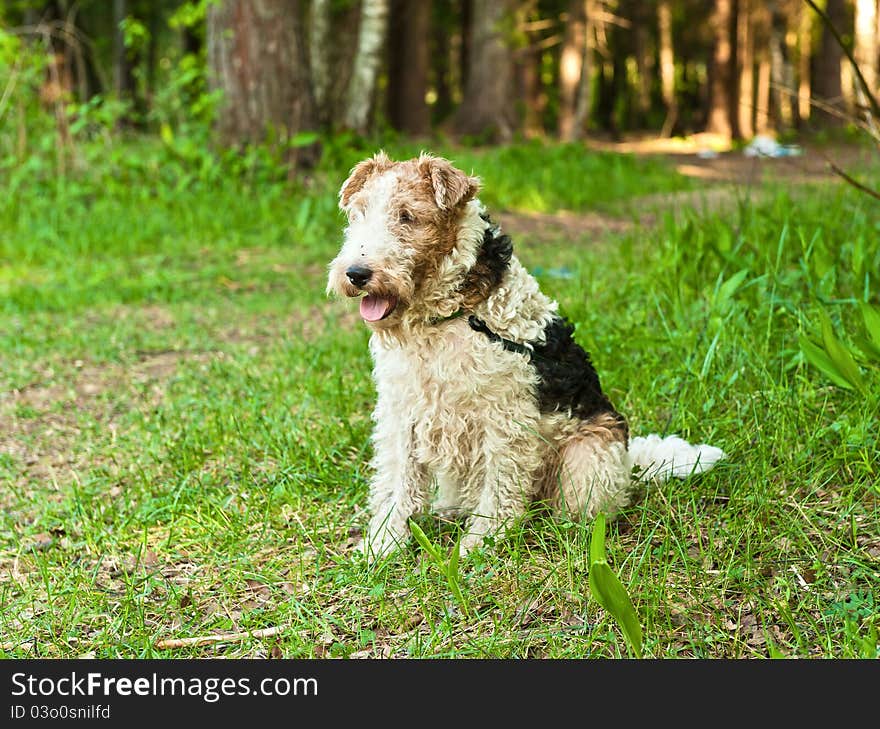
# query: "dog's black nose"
[359,275]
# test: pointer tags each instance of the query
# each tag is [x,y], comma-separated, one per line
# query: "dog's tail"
[660,459]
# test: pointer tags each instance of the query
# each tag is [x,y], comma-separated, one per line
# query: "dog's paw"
[469,542]
[379,546]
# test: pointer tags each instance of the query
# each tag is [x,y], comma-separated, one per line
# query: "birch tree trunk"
[362,86]
[584,105]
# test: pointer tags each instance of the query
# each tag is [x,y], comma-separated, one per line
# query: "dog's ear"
[451,186]
[359,175]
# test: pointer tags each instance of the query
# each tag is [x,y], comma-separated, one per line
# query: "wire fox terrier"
[485,402]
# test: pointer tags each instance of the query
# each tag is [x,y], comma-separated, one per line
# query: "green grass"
[184,425]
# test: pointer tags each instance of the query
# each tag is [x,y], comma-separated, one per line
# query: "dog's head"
[413,233]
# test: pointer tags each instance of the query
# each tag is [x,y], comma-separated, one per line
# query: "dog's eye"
[406,217]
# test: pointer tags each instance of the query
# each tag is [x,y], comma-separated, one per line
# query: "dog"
[485,402]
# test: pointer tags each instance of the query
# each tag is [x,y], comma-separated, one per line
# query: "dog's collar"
[478,325]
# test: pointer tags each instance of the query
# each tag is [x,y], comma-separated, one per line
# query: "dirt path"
[725,180]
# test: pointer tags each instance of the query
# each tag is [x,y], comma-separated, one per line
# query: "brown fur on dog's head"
[405,219]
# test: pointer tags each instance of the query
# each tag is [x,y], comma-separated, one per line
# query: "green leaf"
[303,139]
[729,287]
[817,357]
[869,349]
[611,595]
[425,543]
[840,355]
[609,592]
[871,317]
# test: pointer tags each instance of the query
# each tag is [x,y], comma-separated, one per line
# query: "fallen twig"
[218,638]
[855,183]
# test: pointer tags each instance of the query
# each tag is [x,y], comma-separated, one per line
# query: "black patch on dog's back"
[493,260]
[568,381]
[495,253]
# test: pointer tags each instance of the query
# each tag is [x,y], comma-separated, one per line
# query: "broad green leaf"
[871,317]
[611,595]
[817,357]
[840,355]
[303,139]
[609,592]
[425,543]
[869,349]
[729,287]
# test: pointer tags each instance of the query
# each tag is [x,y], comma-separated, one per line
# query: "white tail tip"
[672,457]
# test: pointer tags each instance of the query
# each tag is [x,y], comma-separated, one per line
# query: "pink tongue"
[374,308]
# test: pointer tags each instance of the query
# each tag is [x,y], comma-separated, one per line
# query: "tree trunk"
[865,47]
[667,66]
[746,46]
[365,71]
[571,64]
[487,108]
[761,33]
[531,90]
[724,96]
[643,56]
[781,74]
[256,57]
[805,32]
[584,105]
[827,89]
[409,28]
[464,50]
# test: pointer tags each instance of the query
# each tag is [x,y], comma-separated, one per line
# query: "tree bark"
[584,104]
[643,56]
[724,96]
[827,89]
[865,47]
[409,28]
[571,64]
[781,73]
[667,66]
[365,71]
[746,64]
[805,33]
[256,57]
[761,34]
[487,107]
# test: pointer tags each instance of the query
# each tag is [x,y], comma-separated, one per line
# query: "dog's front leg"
[507,489]
[399,490]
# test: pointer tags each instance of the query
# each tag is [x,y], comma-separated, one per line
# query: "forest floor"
[184,420]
